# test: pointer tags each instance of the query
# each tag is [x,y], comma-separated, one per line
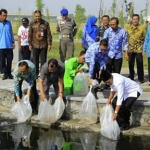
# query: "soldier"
[67,29]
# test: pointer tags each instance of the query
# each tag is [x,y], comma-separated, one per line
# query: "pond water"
[26,137]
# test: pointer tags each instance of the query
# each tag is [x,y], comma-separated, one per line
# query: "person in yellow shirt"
[136,35]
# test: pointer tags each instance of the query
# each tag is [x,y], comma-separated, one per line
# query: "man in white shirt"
[23,44]
[127,93]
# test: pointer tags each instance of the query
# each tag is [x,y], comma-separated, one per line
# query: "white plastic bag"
[51,113]
[46,112]
[80,84]
[88,111]
[22,110]
[95,83]
[109,127]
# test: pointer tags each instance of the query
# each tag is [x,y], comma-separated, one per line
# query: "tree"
[79,16]
[47,15]
[121,15]
[40,5]
[113,8]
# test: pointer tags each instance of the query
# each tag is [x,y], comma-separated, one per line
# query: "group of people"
[102,48]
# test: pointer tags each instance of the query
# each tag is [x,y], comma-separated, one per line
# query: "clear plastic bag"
[109,127]
[88,111]
[22,110]
[51,113]
[80,84]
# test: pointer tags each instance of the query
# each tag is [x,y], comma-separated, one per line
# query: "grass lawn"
[54,52]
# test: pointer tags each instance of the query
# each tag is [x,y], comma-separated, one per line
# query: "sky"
[54,6]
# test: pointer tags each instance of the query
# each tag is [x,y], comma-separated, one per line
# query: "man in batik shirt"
[136,34]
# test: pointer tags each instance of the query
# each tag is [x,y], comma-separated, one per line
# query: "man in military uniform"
[67,29]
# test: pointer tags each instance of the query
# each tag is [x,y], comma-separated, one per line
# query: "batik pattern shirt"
[116,40]
[29,76]
[93,55]
[136,37]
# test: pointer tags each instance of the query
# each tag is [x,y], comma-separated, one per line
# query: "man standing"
[25,70]
[40,39]
[72,67]
[51,73]
[96,56]
[7,44]
[127,91]
[23,43]
[117,37]
[103,27]
[67,29]
[136,34]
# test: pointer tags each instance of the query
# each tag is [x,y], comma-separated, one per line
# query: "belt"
[66,36]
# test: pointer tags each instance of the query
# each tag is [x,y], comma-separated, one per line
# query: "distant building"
[16,17]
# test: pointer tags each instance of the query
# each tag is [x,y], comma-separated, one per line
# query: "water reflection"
[88,140]
[21,136]
[52,140]
[107,144]
[26,137]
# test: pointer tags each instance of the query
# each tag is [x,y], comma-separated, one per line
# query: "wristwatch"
[116,112]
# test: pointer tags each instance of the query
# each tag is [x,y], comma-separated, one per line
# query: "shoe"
[10,77]
[4,77]
[125,127]
[141,81]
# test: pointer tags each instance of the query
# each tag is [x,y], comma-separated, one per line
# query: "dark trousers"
[6,57]
[124,113]
[139,63]
[149,69]
[25,53]
[114,65]
[33,95]
[39,53]
[96,72]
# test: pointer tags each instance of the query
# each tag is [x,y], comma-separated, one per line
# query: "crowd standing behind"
[102,49]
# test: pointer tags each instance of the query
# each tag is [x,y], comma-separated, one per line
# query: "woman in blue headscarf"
[89,32]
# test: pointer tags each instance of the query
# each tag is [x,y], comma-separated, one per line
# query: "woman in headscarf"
[89,32]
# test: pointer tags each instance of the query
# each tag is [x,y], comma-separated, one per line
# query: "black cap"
[25,20]
[105,75]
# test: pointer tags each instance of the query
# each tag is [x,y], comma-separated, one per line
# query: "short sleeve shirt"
[52,77]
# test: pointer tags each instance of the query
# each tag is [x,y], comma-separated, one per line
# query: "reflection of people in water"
[52,140]
[21,136]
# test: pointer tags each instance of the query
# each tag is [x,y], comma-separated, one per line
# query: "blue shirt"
[6,35]
[29,76]
[86,39]
[116,39]
[94,54]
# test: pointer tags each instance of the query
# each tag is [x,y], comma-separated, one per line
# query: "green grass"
[54,52]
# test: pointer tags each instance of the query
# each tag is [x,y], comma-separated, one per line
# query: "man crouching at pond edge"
[25,70]
[127,91]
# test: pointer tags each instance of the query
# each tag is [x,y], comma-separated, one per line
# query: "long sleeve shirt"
[40,34]
[94,54]
[86,39]
[146,46]
[70,71]
[124,87]
[29,76]
[116,39]
[6,35]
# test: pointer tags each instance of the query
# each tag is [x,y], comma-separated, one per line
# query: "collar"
[137,27]
[41,21]
[115,31]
